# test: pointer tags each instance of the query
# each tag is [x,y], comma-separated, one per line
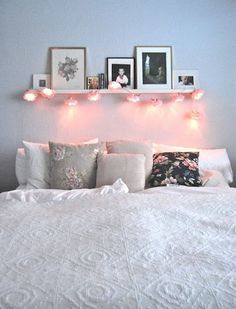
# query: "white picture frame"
[154,67]
[68,68]
[41,81]
[186,79]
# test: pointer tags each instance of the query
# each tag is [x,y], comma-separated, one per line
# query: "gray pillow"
[73,166]
[129,167]
[134,147]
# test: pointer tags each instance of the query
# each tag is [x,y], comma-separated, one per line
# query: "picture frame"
[41,81]
[68,68]
[185,79]
[154,67]
[121,70]
[92,82]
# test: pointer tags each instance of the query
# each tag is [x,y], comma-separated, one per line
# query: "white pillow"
[37,164]
[129,167]
[209,159]
[21,167]
[211,178]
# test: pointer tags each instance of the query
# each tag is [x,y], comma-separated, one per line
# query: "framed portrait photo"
[185,79]
[41,81]
[121,70]
[68,68]
[154,67]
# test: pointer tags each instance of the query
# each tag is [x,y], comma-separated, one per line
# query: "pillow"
[211,178]
[129,167]
[134,147]
[73,166]
[175,168]
[209,159]
[37,164]
[21,167]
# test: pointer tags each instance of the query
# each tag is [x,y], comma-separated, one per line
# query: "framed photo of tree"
[68,68]
[154,67]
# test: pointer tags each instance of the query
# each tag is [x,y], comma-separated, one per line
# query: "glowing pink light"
[114,85]
[47,93]
[71,102]
[194,115]
[197,94]
[179,98]
[30,95]
[156,102]
[133,97]
[94,96]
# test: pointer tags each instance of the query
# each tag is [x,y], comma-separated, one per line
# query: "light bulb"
[197,94]
[94,96]
[47,93]
[30,95]
[133,97]
[156,102]
[194,115]
[114,85]
[179,98]
[71,102]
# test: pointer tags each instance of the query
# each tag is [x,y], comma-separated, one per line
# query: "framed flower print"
[68,68]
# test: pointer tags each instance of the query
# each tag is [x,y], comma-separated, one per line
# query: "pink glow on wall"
[168,123]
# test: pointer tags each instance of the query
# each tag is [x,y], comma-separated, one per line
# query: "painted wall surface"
[201,32]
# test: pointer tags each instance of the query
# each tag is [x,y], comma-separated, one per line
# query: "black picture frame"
[121,70]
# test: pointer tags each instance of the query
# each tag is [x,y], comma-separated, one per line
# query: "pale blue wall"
[202,33]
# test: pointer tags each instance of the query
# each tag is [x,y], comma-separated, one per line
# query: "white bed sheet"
[169,247]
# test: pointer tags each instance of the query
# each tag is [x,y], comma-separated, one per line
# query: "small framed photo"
[68,68]
[154,67]
[92,82]
[41,81]
[121,70]
[185,79]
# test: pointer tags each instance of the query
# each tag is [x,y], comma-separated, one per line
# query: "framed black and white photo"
[121,70]
[41,81]
[185,79]
[154,67]
[68,68]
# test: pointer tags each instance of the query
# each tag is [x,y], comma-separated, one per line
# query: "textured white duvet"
[166,248]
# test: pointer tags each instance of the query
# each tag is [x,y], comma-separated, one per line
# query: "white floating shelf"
[127,91]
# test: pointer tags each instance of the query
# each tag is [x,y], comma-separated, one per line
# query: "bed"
[162,247]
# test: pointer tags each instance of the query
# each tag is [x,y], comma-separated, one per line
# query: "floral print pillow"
[175,168]
[73,166]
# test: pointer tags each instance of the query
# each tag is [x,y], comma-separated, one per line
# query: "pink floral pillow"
[73,166]
[175,168]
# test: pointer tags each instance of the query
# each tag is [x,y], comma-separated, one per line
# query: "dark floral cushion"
[175,168]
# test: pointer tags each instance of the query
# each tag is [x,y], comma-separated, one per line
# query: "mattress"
[161,248]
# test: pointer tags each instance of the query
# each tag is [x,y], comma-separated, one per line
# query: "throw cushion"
[175,168]
[129,167]
[73,166]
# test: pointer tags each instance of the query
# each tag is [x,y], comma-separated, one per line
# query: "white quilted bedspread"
[154,250]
